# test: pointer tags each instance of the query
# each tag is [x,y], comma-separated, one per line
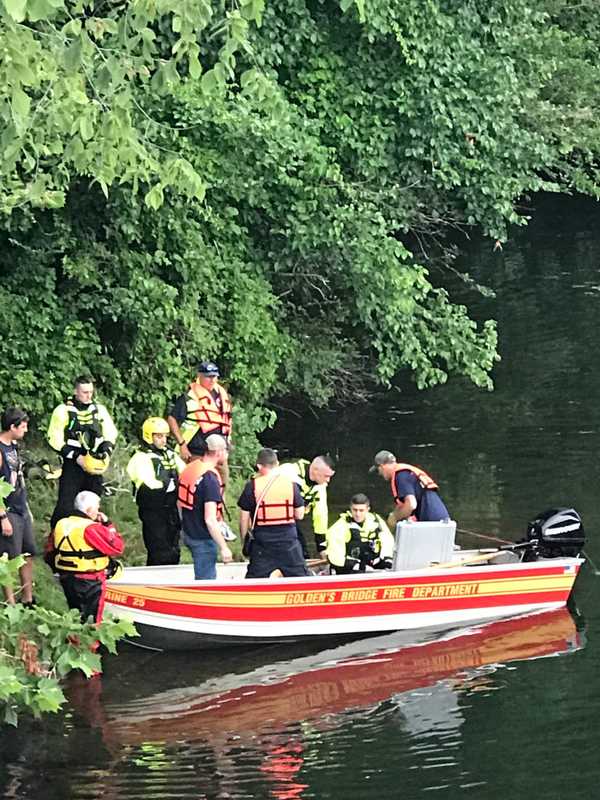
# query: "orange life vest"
[277,504]
[204,411]
[188,482]
[424,479]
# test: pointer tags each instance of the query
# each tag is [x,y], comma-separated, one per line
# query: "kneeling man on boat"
[84,544]
[360,540]
[414,491]
[270,505]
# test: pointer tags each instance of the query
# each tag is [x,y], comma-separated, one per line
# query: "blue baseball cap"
[208,368]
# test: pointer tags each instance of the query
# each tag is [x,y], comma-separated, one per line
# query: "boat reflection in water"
[351,677]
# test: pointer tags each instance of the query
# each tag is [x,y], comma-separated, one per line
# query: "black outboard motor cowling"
[557,533]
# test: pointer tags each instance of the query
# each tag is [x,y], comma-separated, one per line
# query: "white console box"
[421,544]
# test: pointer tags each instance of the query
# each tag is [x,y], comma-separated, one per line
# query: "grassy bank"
[119,506]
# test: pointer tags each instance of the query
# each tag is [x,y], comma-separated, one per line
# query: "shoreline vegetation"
[273,185]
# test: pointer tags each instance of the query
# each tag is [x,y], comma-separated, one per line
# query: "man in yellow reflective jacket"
[313,478]
[359,540]
[154,471]
[83,433]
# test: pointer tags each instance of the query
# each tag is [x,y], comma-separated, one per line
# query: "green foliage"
[38,647]
[271,185]
[74,79]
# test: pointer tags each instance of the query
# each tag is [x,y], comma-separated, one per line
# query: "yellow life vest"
[73,553]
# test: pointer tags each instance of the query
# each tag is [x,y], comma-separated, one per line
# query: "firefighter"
[313,478]
[154,471]
[415,493]
[84,435]
[270,505]
[200,500]
[204,409]
[84,543]
[359,540]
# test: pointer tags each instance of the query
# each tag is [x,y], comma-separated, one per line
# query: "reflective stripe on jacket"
[188,482]
[277,504]
[346,530]
[80,430]
[73,553]
[204,414]
[314,495]
[424,479]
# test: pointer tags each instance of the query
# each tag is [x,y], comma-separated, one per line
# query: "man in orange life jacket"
[415,492]
[204,409]
[271,503]
[200,500]
[84,543]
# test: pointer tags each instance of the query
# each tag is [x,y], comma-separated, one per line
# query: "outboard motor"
[556,533]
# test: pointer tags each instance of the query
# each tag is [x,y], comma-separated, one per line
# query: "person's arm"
[105,538]
[299,507]
[336,547]
[320,518]
[174,419]
[245,521]
[109,432]
[141,472]
[405,508]
[5,527]
[214,528]
[386,539]
[56,433]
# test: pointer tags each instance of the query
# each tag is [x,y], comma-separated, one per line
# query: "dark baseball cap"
[382,457]
[208,368]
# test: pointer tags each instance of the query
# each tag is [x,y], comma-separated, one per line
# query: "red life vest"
[188,482]
[424,479]
[204,411]
[277,504]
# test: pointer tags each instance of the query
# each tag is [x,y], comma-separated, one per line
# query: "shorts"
[22,539]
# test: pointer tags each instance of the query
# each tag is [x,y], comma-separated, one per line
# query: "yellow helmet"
[94,465]
[154,425]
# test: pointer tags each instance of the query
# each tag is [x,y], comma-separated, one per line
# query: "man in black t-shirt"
[15,518]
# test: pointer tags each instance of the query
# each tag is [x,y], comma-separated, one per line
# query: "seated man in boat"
[270,505]
[359,540]
[414,491]
[84,544]
[313,478]
[200,500]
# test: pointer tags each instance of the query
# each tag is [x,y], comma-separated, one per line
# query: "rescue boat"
[432,586]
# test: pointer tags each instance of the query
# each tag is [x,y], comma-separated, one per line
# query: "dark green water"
[509,711]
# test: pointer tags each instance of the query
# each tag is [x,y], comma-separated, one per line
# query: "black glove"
[104,449]
[382,563]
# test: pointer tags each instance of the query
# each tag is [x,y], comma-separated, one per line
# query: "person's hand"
[7,527]
[101,517]
[79,461]
[226,554]
[184,452]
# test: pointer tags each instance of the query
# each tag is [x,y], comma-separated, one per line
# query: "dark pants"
[276,551]
[72,481]
[84,594]
[160,530]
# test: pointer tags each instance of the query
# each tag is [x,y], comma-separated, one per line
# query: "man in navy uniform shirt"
[415,492]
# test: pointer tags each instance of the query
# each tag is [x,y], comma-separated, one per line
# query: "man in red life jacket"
[200,500]
[415,492]
[84,543]
[271,504]
[204,409]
